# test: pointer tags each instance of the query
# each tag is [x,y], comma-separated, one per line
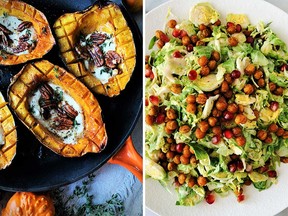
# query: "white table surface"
[150,4]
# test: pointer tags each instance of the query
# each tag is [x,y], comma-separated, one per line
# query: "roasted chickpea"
[268,139]
[202,27]
[212,121]
[256,113]
[240,140]
[200,43]
[160,44]
[215,55]
[191,150]
[217,130]
[221,105]
[191,108]
[159,33]
[224,86]
[191,182]
[272,86]
[199,134]
[170,155]
[217,23]
[280,132]
[248,89]
[170,140]
[172,125]
[285,135]
[181,178]
[212,64]
[273,127]
[203,126]
[172,23]
[186,40]
[204,71]
[279,91]
[186,152]
[193,160]
[228,94]
[201,181]
[233,108]
[171,166]
[261,82]
[205,33]
[153,111]
[241,108]
[184,160]
[233,41]
[176,88]
[171,114]
[184,129]
[203,60]
[236,131]
[194,39]
[250,69]
[262,134]
[201,98]
[162,155]
[216,113]
[217,91]
[228,78]
[173,147]
[149,119]
[240,119]
[191,99]
[258,74]
[231,29]
[168,131]
[176,159]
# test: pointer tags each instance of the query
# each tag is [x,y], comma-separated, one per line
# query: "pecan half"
[82,52]
[24,38]
[61,113]
[3,39]
[97,38]
[23,46]
[97,55]
[47,103]
[24,25]
[70,111]
[112,59]
[46,91]
[5,30]
[62,123]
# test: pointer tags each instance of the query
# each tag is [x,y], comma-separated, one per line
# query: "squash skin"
[27,203]
[26,12]
[8,150]
[94,135]
[108,19]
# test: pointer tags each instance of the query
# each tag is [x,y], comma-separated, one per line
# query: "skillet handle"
[129,158]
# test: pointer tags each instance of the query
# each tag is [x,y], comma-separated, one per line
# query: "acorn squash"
[98,47]
[24,33]
[59,110]
[8,135]
[27,203]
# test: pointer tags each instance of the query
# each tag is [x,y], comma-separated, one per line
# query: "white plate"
[268,202]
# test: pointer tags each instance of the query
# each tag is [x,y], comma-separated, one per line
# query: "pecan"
[82,52]
[47,103]
[112,59]
[97,38]
[61,113]
[3,39]
[21,47]
[97,55]
[70,111]
[24,38]
[46,91]
[5,30]
[24,25]
[62,123]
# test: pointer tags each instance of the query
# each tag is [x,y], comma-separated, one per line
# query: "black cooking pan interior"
[36,168]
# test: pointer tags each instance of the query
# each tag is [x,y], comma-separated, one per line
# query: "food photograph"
[71,129]
[216,107]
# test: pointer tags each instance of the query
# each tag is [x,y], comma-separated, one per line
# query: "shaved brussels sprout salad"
[216,105]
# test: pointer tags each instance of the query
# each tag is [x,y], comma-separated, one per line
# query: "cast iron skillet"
[36,168]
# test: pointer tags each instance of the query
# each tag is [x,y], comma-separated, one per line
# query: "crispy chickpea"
[228,94]
[221,105]
[204,71]
[262,134]
[273,127]
[153,111]
[201,98]
[191,108]
[217,23]
[191,182]
[160,44]
[231,29]
[172,23]
[176,88]
[201,181]
[191,99]
[236,131]
[162,155]
[186,152]
[181,178]
[212,64]
[191,150]
[205,33]
[279,91]
[202,27]
[172,125]
[250,69]
[212,121]
[199,134]
[280,132]
[241,108]
[168,131]
[203,60]
[258,74]
[184,129]
[173,147]
[215,55]
[158,34]
[285,135]
[171,166]
[228,78]
[240,119]
[186,40]
[171,114]
[170,140]
[193,160]
[233,41]
[184,160]
[176,159]
[217,130]
[200,43]
[194,39]
[224,86]
[170,155]
[149,119]
[256,113]
[248,89]
[272,86]
[216,113]
[217,91]
[240,140]
[203,126]
[233,108]
[268,139]
[261,82]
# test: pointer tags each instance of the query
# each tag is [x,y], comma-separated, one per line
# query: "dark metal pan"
[36,168]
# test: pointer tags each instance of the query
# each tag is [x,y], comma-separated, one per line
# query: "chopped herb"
[28,32]
[5,14]
[31,109]
[103,45]
[105,70]
[75,123]
[110,43]
[58,95]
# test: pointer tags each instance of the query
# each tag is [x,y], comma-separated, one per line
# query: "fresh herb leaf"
[28,32]
[5,14]
[152,42]
[105,70]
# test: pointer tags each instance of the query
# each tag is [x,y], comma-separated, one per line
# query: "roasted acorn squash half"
[58,109]
[24,33]
[8,135]
[98,47]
